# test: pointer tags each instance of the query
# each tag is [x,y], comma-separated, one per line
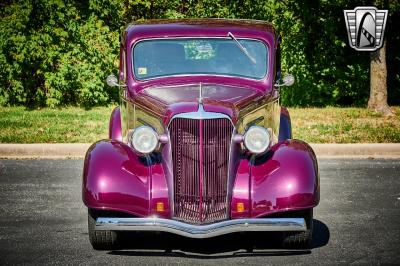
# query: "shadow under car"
[232,245]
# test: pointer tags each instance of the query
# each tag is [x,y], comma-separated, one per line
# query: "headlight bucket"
[257,139]
[144,139]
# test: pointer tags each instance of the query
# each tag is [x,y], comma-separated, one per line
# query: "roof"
[199,27]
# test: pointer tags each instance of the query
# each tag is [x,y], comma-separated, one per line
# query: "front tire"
[101,239]
[300,239]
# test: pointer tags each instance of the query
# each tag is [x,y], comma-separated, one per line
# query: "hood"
[168,101]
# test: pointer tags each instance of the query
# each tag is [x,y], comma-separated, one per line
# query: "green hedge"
[56,53]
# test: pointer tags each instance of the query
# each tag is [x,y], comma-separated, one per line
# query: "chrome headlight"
[144,139]
[257,139]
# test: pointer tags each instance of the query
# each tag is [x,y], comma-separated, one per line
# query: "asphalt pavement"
[43,221]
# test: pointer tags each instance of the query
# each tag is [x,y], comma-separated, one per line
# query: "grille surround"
[201,158]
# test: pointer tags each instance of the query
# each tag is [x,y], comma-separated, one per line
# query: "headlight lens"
[144,139]
[257,139]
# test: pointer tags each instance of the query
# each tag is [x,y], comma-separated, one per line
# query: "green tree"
[378,80]
[55,52]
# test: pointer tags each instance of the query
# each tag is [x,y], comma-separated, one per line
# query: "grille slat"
[200,191]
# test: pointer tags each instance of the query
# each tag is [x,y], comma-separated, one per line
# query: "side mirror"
[288,80]
[112,81]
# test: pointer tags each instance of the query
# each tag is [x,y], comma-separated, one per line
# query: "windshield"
[167,57]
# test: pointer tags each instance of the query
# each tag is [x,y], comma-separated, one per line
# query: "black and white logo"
[365,27]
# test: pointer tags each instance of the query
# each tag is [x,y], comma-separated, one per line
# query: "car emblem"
[365,27]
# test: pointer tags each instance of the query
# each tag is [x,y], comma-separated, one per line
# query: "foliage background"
[55,53]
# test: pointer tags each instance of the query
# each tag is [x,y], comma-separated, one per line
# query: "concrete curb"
[43,150]
[78,150]
[358,150]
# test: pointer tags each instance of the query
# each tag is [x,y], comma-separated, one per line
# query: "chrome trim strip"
[230,179]
[201,114]
[201,231]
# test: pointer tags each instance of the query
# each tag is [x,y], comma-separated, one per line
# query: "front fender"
[285,178]
[116,178]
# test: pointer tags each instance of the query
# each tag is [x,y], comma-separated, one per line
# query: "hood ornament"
[200,94]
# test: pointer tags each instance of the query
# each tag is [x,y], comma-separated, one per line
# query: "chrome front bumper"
[201,231]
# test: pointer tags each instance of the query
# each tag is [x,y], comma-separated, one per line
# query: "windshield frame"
[267,47]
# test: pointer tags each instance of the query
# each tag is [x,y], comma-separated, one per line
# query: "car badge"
[365,27]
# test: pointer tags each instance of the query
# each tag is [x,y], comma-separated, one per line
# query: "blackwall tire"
[303,239]
[101,240]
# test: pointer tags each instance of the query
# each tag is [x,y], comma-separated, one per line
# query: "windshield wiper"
[244,50]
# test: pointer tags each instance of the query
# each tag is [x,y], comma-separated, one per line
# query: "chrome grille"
[200,151]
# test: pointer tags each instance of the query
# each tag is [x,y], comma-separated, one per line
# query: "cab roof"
[198,27]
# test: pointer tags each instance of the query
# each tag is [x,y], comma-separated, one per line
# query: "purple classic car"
[200,145]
